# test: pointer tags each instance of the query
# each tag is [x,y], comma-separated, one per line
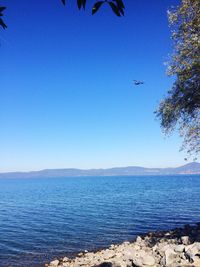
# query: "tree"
[181,107]
[117,7]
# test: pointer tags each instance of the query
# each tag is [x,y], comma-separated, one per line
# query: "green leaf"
[79,3]
[120,6]
[2,8]
[114,8]
[83,3]
[120,3]
[97,6]
[2,24]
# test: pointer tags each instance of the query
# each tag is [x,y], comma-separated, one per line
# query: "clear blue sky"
[66,94]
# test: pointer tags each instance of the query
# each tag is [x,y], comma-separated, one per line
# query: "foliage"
[181,107]
[2,24]
[117,7]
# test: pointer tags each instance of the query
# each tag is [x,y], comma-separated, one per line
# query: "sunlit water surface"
[41,219]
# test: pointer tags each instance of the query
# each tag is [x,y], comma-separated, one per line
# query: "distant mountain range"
[190,168]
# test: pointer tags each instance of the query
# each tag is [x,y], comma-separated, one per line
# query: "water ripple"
[44,218]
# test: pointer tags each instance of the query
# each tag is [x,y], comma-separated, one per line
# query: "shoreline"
[173,248]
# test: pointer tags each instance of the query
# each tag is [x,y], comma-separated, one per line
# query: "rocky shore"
[174,248]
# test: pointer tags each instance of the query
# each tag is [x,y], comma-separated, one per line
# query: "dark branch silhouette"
[117,7]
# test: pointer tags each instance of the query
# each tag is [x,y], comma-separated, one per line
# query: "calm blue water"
[44,218]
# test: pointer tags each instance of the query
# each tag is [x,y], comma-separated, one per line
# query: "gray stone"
[129,253]
[163,261]
[163,247]
[185,240]
[118,263]
[192,250]
[170,256]
[138,262]
[107,254]
[138,239]
[65,259]
[54,263]
[80,254]
[145,252]
[126,243]
[179,248]
[148,260]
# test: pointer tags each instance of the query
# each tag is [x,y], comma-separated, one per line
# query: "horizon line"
[87,169]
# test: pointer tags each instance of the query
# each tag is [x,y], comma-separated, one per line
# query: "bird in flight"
[138,82]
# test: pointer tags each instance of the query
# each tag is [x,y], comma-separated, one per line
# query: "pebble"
[156,249]
[185,240]
[54,263]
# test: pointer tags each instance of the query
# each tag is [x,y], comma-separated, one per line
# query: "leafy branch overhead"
[2,24]
[117,7]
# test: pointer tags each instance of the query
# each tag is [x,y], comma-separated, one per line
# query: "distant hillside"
[190,168]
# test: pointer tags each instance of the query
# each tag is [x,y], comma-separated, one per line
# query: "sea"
[46,218]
